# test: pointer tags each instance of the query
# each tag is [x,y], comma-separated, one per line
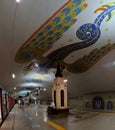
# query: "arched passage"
[98,103]
[87,104]
[109,105]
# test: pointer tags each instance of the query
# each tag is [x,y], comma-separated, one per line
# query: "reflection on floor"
[35,117]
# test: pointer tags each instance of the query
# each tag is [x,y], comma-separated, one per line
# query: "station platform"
[34,117]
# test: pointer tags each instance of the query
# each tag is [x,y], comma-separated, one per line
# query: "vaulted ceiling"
[36,35]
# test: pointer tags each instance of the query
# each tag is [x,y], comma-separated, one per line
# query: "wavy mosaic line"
[85,63]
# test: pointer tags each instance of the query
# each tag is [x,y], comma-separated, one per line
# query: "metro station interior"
[59,50]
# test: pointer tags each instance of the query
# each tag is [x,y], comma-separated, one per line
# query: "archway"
[98,103]
[87,104]
[109,105]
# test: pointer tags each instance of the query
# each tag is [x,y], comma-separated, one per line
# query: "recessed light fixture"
[65,80]
[36,65]
[44,89]
[114,62]
[17,1]
[13,76]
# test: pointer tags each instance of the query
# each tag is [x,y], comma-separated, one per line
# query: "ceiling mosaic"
[87,33]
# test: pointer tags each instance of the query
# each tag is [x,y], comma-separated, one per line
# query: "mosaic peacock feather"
[54,28]
[59,24]
[51,31]
[85,63]
[89,33]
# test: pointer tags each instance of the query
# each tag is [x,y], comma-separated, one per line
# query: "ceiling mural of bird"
[54,29]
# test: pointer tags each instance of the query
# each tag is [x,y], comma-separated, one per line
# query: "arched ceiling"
[78,34]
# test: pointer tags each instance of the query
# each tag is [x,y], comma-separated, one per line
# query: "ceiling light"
[65,80]
[44,89]
[17,1]
[30,84]
[14,88]
[36,65]
[13,76]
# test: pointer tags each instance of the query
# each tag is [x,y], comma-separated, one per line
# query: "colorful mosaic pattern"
[85,63]
[51,31]
[54,28]
[89,33]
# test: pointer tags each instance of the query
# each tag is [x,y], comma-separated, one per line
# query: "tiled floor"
[35,117]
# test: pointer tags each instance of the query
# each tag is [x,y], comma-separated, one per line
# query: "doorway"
[98,103]
[87,104]
[109,105]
